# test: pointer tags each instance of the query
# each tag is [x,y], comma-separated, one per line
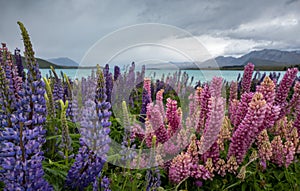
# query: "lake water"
[202,75]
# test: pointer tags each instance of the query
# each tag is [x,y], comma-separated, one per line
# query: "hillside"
[63,61]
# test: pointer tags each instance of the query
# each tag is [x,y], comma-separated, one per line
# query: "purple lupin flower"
[146,99]
[246,131]
[153,179]
[242,107]
[117,73]
[23,135]
[19,64]
[94,139]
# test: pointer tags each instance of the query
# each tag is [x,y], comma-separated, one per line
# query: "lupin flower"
[204,97]
[232,97]
[117,72]
[105,182]
[109,86]
[232,165]
[19,64]
[199,172]
[180,168]
[145,101]
[221,167]
[225,133]
[277,148]
[267,89]
[159,101]
[264,146]
[209,147]
[247,76]
[23,134]
[94,139]
[246,132]
[295,101]
[289,151]
[156,120]
[153,179]
[241,110]
[147,87]
[172,116]
[284,88]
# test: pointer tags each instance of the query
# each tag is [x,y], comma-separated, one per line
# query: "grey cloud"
[69,28]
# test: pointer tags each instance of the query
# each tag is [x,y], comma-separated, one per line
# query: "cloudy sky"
[61,28]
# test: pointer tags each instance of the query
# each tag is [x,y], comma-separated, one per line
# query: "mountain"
[266,59]
[263,59]
[64,61]
[44,64]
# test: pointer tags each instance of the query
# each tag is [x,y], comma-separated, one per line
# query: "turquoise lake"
[202,75]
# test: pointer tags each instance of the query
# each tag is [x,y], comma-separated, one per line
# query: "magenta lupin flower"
[204,98]
[180,168]
[199,172]
[296,123]
[232,98]
[247,130]
[247,76]
[284,88]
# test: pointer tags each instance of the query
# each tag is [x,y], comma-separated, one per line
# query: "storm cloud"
[70,28]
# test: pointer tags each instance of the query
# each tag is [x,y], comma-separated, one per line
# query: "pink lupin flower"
[267,89]
[277,148]
[247,130]
[233,91]
[157,123]
[159,101]
[289,151]
[295,101]
[193,150]
[213,123]
[216,87]
[221,167]
[172,116]
[247,76]
[264,146]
